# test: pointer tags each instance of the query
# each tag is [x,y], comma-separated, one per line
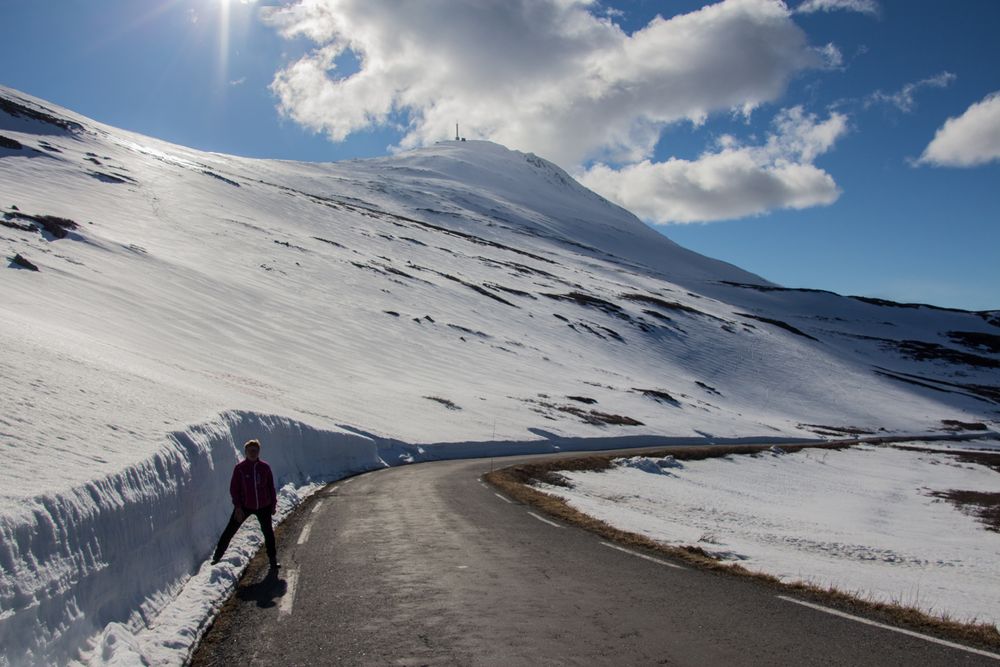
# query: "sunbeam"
[223,61]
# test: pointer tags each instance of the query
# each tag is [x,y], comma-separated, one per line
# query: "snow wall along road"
[104,558]
[115,571]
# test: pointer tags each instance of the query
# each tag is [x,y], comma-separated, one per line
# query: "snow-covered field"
[864,520]
[457,300]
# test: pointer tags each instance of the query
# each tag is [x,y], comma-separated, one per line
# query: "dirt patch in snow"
[668,305]
[923,351]
[982,342]
[984,506]
[659,396]
[955,425]
[443,401]
[778,323]
[225,180]
[590,301]
[710,389]
[839,431]
[595,417]
[20,261]
[17,110]
[55,226]
[12,144]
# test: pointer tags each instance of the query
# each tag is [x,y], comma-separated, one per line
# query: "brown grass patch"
[956,425]
[443,401]
[981,504]
[838,430]
[988,458]
[517,482]
[594,417]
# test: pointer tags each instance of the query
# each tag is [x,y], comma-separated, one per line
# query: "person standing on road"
[252,491]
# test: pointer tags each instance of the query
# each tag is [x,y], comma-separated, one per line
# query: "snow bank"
[106,556]
[115,571]
[647,464]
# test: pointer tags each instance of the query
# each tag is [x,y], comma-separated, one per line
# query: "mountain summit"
[528,195]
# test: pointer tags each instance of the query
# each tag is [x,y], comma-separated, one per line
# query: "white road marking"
[304,536]
[911,633]
[643,556]
[544,520]
[285,607]
[506,500]
[317,506]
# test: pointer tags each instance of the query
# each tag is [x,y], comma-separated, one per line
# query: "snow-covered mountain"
[158,305]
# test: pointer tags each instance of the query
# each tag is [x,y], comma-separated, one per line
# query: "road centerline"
[288,600]
[304,535]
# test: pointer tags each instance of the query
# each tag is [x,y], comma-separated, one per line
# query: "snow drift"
[76,561]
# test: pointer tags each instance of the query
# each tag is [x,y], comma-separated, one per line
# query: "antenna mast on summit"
[456,131]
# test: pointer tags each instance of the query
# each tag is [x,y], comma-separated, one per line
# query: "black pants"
[264,517]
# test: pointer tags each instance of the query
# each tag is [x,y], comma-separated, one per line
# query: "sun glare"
[225,28]
[223,37]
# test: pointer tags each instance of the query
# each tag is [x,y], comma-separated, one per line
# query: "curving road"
[426,565]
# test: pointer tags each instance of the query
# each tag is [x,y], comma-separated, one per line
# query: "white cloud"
[547,76]
[969,140]
[870,7]
[238,82]
[903,99]
[735,181]
[831,55]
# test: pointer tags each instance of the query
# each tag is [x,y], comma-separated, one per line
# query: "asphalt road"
[426,565]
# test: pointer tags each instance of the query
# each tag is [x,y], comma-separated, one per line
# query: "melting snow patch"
[669,462]
[651,465]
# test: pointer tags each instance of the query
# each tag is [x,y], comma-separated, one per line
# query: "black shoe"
[215,561]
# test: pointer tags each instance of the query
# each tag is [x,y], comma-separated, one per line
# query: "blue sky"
[793,140]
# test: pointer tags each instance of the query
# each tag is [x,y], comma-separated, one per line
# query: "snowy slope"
[462,293]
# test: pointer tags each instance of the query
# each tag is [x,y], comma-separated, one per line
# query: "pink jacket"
[252,486]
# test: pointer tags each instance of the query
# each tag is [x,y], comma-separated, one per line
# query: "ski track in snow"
[458,300]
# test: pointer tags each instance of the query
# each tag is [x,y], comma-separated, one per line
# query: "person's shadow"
[265,591]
